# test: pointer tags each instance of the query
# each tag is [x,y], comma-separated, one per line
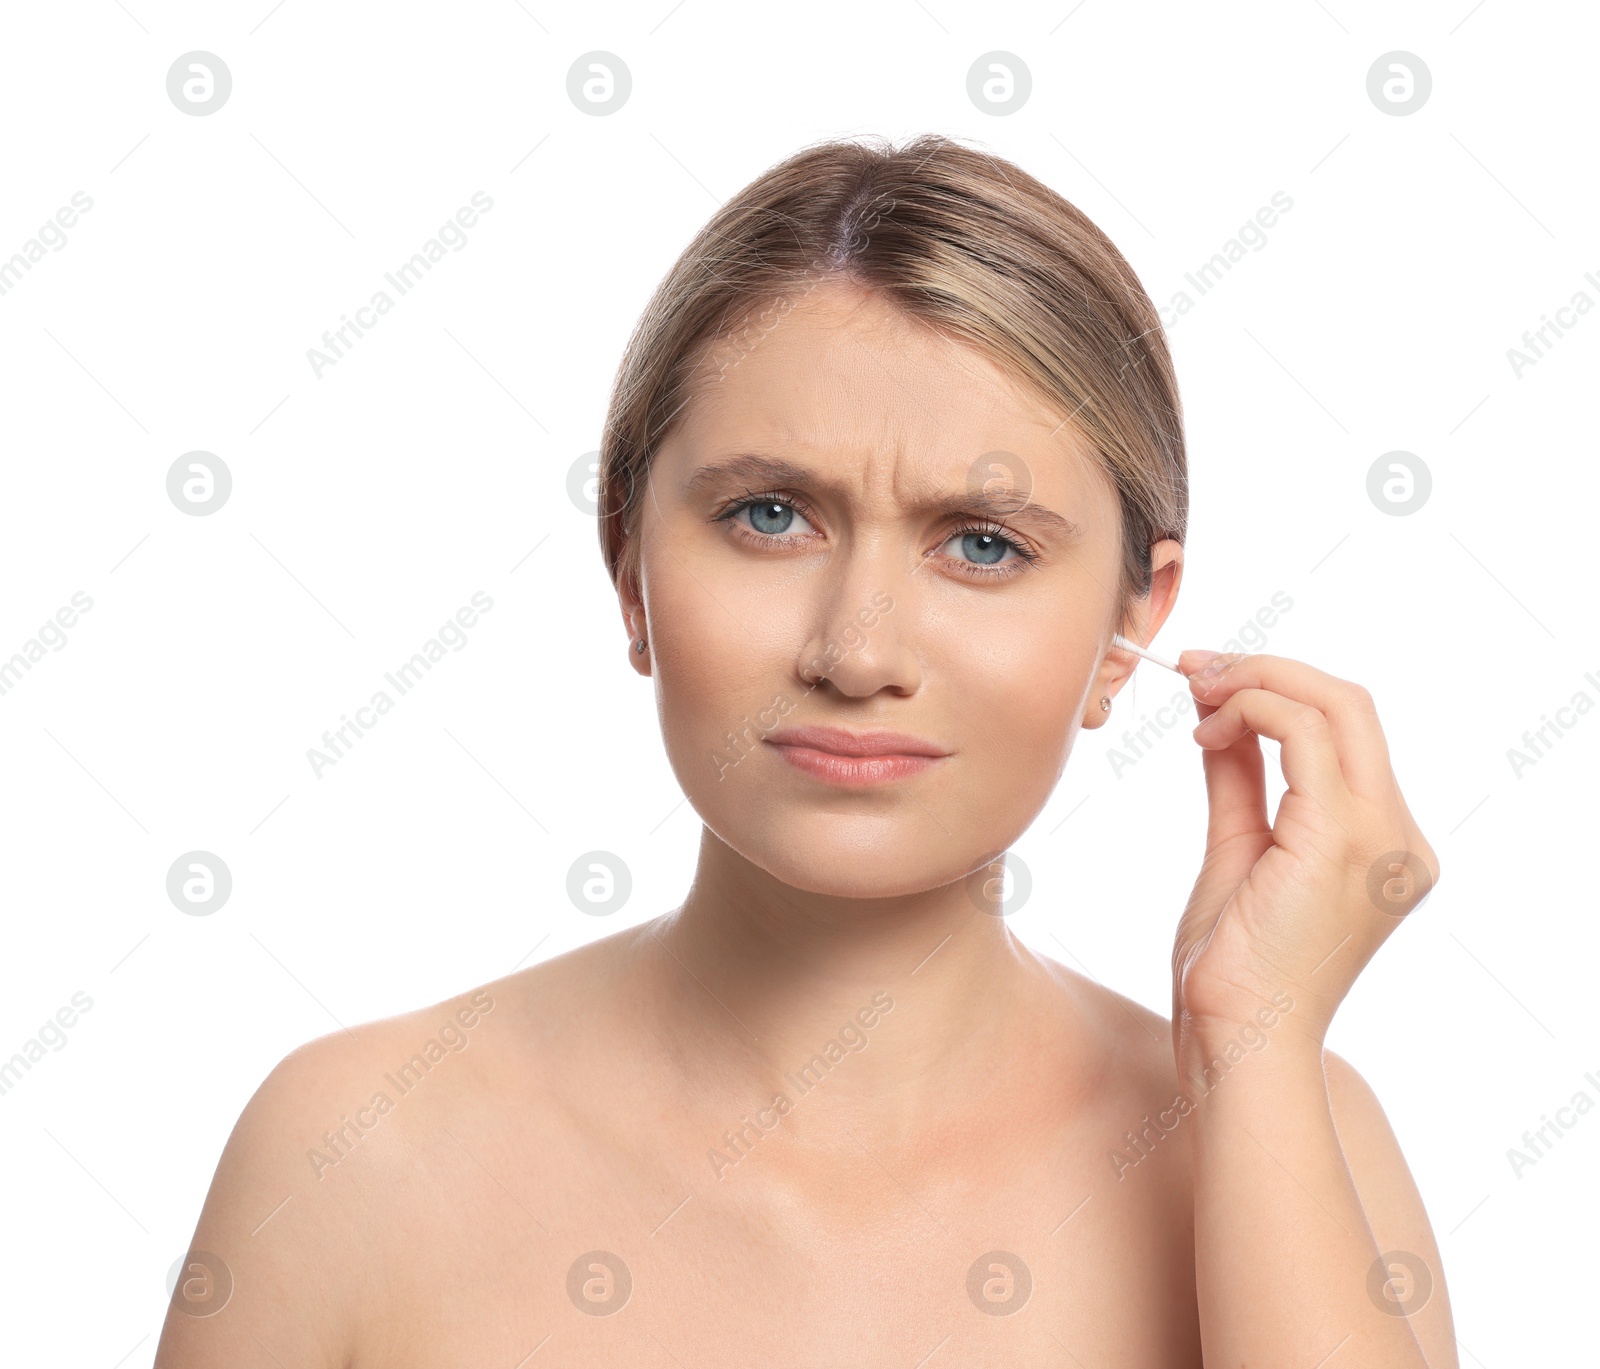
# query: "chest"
[573,1249]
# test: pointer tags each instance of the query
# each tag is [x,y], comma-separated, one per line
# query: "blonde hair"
[960,239]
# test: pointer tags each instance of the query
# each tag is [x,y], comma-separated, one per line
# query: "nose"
[861,640]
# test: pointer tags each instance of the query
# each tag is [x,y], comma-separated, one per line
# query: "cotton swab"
[1121,641]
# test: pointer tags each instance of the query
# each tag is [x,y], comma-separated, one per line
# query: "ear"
[1142,624]
[630,599]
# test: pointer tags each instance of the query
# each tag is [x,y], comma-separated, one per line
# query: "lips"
[837,741]
[855,760]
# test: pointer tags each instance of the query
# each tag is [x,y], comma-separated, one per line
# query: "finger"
[1358,740]
[1236,789]
[1310,762]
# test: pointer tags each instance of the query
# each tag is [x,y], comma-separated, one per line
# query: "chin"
[883,848]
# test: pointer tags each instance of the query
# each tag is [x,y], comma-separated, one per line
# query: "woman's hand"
[1297,906]
[1281,921]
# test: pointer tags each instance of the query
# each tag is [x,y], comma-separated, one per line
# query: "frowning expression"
[861,528]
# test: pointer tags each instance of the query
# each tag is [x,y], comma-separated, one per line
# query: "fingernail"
[1216,663]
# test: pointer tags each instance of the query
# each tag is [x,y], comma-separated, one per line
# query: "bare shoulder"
[257,1251]
[310,1168]
[1413,1276]
[1135,1044]
[268,1263]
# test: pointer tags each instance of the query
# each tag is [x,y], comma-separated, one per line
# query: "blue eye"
[770,516]
[780,520]
[983,548]
[986,546]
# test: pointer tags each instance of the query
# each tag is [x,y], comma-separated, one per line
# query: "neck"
[765,989]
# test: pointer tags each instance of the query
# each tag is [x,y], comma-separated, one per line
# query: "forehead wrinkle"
[861,347]
[1001,390]
[918,495]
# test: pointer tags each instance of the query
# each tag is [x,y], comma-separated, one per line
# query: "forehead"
[846,382]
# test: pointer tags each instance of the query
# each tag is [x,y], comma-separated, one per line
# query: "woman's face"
[815,550]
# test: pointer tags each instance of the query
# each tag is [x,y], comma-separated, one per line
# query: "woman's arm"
[1311,1245]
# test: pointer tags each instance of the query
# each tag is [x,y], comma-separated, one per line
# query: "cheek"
[716,682]
[1021,695]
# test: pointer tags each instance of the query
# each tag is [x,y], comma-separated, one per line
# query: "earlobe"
[638,639]
[639,654]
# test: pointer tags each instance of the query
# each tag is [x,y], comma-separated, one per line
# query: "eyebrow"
[762,472]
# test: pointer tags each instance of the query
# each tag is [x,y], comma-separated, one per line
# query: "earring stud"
[1105,704]
[639,646]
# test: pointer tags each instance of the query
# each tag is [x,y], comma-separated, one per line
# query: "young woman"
[895,450]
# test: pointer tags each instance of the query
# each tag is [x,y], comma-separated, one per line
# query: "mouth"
[855,759]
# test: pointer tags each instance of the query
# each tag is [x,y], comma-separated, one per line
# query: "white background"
[431,462]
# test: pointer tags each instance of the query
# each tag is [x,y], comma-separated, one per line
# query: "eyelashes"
[981,530]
